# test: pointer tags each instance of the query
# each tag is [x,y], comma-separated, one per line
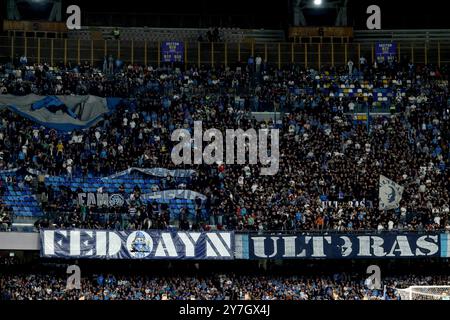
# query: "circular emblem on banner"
[139,244]
[116,200]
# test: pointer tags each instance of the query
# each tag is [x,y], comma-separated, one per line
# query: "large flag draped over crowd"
[63,113]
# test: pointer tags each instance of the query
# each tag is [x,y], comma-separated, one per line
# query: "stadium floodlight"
[317,2]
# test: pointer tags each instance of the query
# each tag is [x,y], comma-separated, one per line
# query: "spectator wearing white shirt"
[258,62]
[350,67]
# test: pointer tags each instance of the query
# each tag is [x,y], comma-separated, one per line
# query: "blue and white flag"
[157,172]
[390,194]
[173,194]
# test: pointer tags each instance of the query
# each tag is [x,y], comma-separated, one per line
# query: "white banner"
[390,194]
[158,172]
[174,194]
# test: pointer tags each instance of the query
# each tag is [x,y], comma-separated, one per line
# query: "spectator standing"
[258,62]
[350,67]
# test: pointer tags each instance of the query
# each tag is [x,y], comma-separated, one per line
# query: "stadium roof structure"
[248,14]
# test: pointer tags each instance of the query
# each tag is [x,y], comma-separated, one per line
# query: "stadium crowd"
[327,158]
[218,287]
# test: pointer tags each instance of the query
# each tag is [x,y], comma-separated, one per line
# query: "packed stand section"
[218,287]
[330,163]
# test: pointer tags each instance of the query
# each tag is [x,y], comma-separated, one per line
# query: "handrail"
[403,35]
[298,232]
[144,52]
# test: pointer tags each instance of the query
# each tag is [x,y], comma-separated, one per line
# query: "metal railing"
[402,35]
[309,55]
[296,232]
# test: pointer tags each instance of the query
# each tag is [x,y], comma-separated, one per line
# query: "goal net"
[425,293]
